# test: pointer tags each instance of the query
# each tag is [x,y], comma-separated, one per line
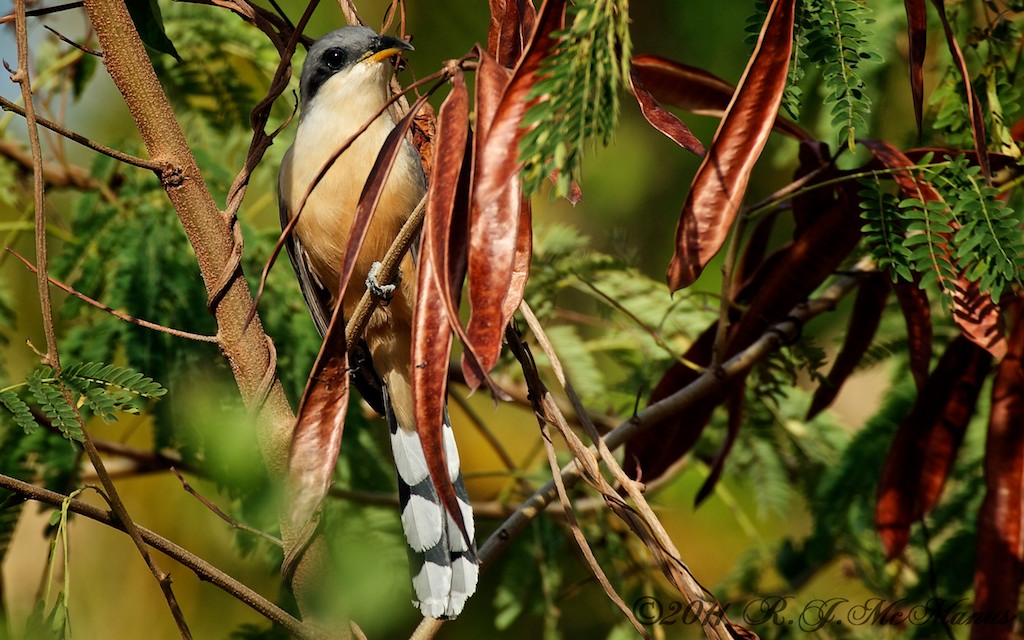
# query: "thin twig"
[21,77]
[519,394]
[66,40]
[120,156]
[260,115]
[178,333]
[581,540]
[388,266]
[203,569]
[643,519]
[656,413]
[52,356]
[547,412]
[42,12]
[352,17]
[223,516]
[282,14]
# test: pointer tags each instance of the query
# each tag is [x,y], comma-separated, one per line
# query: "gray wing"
[318,301]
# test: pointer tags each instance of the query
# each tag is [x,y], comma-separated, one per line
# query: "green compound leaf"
[837,40]
[21,412]
[47,394]
[576,96]
[128,380]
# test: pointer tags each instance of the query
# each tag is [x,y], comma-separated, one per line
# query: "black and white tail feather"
[444,568]
[444,563]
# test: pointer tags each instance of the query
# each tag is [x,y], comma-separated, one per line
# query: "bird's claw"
[382,291]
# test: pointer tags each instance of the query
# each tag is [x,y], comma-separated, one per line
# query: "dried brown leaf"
[662,120]
[494,233]
[424,131]
[439,226]
[431,352]
[316,440]
[927,443]
[512,23]
[520,261]
[695,90]
[717,191]
[999,569]
[497,153]
[979,317]
[802,268]
[917,313]
[917,37]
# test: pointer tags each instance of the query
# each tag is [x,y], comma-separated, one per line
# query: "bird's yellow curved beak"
[377,56]
[386,47]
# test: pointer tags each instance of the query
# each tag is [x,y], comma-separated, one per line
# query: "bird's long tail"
[444,569]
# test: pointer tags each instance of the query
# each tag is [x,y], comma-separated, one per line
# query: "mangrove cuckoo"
[344,85]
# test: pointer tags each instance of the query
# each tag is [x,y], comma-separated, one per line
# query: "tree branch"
[680,401]
[121,156]
[52,357]
[56,177]
[203,569]
[216,240]
[178,333]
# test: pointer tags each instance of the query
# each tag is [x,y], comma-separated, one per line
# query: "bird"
[344,84]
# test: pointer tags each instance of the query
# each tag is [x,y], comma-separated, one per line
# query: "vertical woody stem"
[216,240]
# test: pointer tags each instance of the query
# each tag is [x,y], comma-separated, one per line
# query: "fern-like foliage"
[989,244]
[929,225]
[792,97]
[105,389]
[47,394]
[579,85]
[19,410]
[996,83]
[885,229]
[838,42]
[966,232]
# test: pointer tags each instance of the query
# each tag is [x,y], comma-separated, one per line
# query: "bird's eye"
[334,58]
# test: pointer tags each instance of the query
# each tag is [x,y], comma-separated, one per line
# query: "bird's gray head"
[339,51]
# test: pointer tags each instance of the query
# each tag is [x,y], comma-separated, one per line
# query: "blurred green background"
[633,192]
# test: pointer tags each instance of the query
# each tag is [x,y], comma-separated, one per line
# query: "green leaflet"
[51,401]
[21,412]
[838,42]
[580,83]
[104,389]
[969,231]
